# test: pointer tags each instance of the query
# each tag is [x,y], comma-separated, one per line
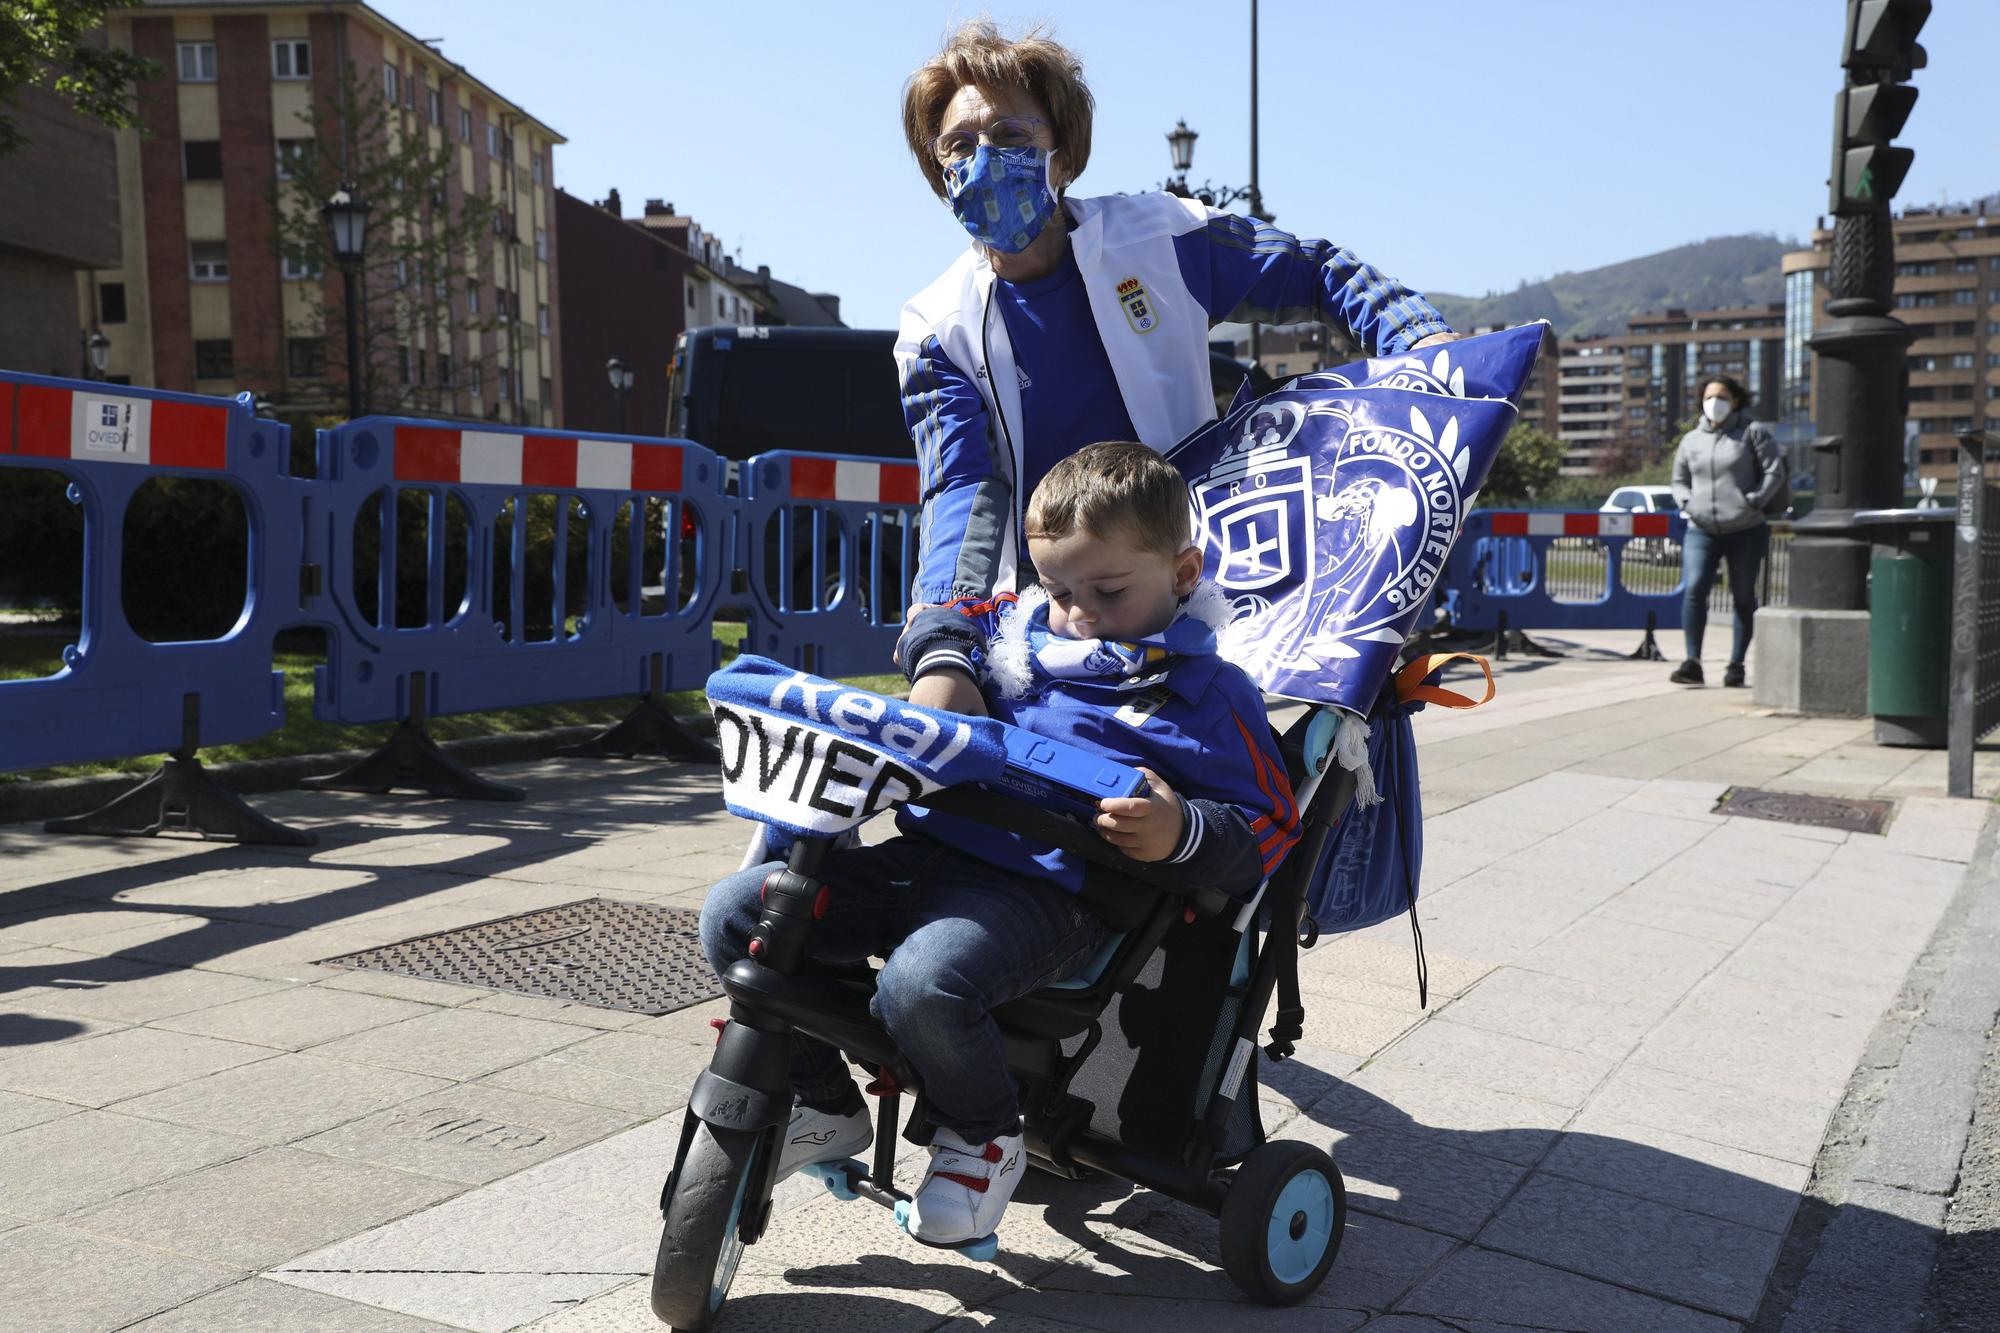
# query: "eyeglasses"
[954,146]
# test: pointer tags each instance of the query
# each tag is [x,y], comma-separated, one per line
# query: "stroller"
[1110,1081]
[1327,508]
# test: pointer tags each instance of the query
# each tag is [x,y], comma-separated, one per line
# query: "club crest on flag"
[1326,509]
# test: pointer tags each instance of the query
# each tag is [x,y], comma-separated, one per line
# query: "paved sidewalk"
[1642,1017]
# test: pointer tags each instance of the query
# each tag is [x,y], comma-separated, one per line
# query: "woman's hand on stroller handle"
[1145,828]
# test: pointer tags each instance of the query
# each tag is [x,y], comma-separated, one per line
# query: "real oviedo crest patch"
[1325,510]
[1137,305]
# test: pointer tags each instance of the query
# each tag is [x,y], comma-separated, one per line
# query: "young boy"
[1115,652]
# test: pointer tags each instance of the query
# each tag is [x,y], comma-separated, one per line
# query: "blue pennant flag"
[1327,507]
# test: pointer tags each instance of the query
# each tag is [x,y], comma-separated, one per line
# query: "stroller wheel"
[1281,1222]
[699,1245]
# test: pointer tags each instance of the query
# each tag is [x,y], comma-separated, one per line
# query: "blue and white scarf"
[1025,654]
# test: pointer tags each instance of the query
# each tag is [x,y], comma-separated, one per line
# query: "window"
[464,125]
[1992,392]
[410,89]
[721,305]
[548,393]
[506,385]
[536,173]
[541,243]
[1966,266]
[1636,413]
[1919,269]
[305,358]
[111,303]
[1965,296]
[492,139]
[690,296]
[1993,295]
[291,59]
[1961,361]
[197,62]
[434,106]
[300,268]
[390,84]
[476,378]
[208,261]
[213,359]
[471,301]
[201,160]
[292,157]
[542,320]
[444,370]
[402,271]
[1993,360]
[1993,263]
[403,362]
[420,365]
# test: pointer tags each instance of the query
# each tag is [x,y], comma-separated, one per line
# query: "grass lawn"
[26,657]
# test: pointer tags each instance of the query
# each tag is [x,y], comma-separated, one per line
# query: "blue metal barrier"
[117,692]
[829,547]
[479,647]
[1521,570]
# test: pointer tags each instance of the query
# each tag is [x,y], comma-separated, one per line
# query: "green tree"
[429,244]
[59,42]
[1530,460]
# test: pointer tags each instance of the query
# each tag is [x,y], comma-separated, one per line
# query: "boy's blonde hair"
[1119,486]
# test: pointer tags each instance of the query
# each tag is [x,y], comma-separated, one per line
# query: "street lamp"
[620,375]
[97,350]
[346,215]
[1180,143]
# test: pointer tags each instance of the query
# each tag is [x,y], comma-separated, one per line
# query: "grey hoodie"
[1725,475]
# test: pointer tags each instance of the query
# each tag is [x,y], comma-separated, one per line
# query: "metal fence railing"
[1579,566]
[1974,699]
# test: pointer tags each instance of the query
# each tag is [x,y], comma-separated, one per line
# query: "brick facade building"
[207,303]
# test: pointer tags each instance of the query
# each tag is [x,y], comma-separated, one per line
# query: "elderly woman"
[1728,472]
[1069,321]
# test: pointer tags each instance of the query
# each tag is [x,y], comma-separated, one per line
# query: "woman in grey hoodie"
[1727,472]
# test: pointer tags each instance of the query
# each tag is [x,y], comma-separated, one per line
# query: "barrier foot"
[1527,647]
[411,761]
[647,729]
[1649,647]
[183,797]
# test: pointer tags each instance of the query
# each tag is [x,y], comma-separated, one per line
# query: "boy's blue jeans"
[1702,554]
[960,937]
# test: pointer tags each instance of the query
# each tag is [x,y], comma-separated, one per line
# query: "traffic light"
[1880,51]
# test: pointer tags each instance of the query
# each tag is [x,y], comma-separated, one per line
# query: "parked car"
[1646,500]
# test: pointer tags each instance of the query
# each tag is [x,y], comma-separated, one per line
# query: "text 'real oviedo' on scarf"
[1025,653]
[1326,508]
[814,757]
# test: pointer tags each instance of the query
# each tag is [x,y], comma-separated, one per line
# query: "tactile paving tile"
[634,957]
[1834,812]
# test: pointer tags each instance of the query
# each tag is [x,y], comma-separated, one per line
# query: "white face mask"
[1717,409]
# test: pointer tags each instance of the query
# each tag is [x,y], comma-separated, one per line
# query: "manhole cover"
[636,957]
[1788,807]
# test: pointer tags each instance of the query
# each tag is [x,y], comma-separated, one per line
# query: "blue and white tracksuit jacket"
[1200,725]
[1159,272]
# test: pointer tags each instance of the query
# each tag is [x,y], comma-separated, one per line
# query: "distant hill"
[1723,271]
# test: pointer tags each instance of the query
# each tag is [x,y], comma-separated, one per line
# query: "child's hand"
[1145,828]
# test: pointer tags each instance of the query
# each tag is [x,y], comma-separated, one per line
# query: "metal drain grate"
[634,957]
[1787,807]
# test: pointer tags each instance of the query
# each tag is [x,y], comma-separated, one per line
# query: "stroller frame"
[717,1198]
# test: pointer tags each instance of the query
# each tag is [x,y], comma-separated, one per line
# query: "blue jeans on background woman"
[1702,554]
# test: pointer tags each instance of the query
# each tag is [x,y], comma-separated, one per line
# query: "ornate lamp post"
[97,354]
[620,375]
[346,215]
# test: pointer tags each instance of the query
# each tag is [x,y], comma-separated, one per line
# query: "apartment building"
[205,301]
[710,298]
[1948,292]
[1624,397]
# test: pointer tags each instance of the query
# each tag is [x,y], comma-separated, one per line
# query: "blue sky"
[1462,145]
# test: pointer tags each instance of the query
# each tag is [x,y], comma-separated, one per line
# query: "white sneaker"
[966,1188]
[819,1136]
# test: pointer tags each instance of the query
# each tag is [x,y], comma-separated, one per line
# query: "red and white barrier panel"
[846,479]
[104,426]
[507,458]
[1581,525]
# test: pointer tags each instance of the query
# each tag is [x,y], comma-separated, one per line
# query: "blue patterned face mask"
[1001,196]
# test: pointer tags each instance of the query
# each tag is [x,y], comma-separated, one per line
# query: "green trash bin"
[1909,623]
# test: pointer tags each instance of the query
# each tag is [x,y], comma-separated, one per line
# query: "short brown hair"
[976,55]
[1119,486]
